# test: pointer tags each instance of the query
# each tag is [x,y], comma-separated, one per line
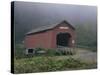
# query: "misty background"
[29,15]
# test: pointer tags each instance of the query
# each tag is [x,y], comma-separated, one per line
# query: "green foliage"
[20,52]
[47,62]
[44,64]
[50,52]
[39,49]
[86,36]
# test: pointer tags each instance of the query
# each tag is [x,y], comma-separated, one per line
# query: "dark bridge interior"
[63,39]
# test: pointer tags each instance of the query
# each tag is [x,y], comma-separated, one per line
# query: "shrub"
[44,64]
[39,49]
[20,52]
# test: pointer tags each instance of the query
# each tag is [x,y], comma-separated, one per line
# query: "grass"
[19,52]
[46,64]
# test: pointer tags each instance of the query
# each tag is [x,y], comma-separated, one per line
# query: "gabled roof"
[47,27]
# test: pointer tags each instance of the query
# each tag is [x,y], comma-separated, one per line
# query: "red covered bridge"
[51,36]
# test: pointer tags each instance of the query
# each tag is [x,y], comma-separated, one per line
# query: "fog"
[29,15]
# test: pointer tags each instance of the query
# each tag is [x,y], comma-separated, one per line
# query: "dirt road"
[83,55]
[86,55]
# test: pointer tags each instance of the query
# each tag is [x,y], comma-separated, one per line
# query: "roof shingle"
[46,27]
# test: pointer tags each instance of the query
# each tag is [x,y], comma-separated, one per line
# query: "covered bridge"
[51,36]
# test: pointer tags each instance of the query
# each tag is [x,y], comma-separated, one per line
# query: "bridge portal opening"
[63,39]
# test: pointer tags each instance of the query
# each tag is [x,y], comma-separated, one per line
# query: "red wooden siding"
[47,39]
